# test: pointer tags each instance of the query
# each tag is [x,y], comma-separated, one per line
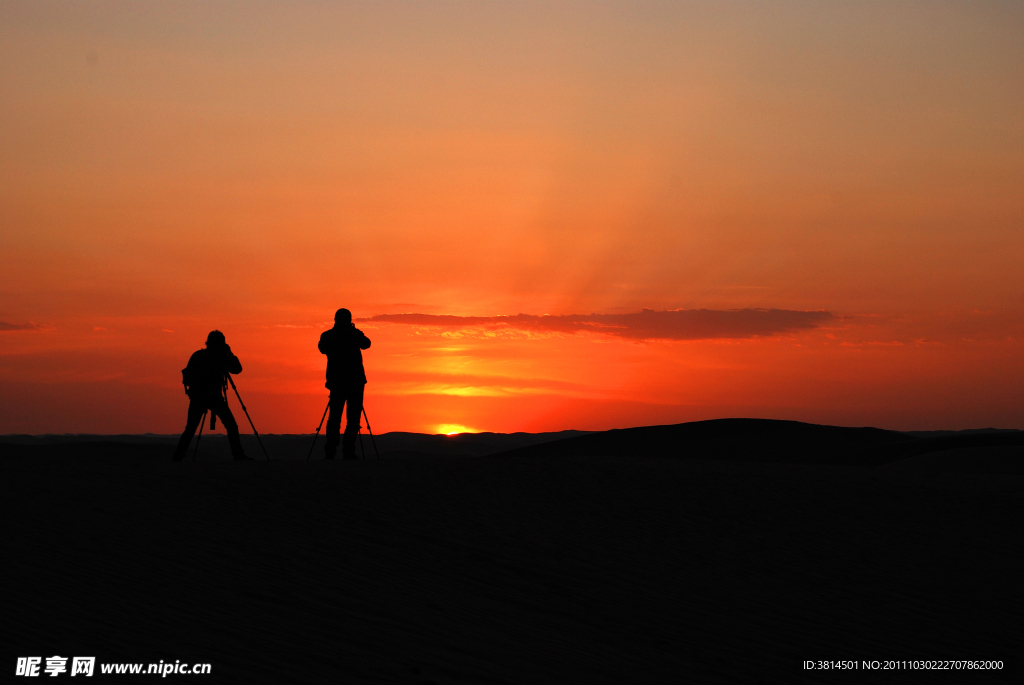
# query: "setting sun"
[454,429]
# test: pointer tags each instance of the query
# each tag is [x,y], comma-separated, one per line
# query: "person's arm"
[322,345]
[231,363]
[364,342]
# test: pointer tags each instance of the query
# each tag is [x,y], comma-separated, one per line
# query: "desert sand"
[726,552]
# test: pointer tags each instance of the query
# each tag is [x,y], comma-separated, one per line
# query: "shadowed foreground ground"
[510,569]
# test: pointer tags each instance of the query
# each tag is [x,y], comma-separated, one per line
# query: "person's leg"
[354,397]
[195,415]
[334,425]
[222,410]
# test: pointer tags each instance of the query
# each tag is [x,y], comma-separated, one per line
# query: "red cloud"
[20,326]
[647,324]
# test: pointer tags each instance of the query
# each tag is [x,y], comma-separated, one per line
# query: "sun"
[454,429]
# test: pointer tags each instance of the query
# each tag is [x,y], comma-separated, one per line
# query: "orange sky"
[170,168]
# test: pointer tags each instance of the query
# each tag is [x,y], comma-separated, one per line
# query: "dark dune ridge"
[748,440]
[785,442]
[214,446]
[617,557]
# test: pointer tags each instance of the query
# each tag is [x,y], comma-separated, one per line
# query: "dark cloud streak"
[19,326]
[648,324]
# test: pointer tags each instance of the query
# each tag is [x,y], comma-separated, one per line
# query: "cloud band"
[19,326]
[647,324]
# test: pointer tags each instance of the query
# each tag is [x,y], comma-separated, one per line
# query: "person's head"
[342,317]
[215,339]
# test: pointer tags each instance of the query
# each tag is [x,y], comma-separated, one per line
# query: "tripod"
[202,422]
[360,435]
[246,416]
[370,430]
[318,428]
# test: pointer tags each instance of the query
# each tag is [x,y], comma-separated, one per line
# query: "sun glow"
[632,233]
[454,429]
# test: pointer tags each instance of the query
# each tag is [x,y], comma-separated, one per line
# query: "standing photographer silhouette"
[205,380]
[346,379]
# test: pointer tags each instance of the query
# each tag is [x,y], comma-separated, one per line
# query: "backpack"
[186,379]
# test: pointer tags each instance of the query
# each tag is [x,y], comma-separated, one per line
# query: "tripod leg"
[254,431]
[201,422]
[318,428]
[371,432]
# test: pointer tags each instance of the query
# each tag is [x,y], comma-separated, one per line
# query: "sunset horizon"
[603,341]
[494,191]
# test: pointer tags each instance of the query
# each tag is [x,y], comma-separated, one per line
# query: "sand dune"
[215,446]
[785,442]
[519,568]
[990,459]
[752,440]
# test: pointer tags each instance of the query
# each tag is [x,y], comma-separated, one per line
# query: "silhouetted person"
[346,380]
[205,380]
